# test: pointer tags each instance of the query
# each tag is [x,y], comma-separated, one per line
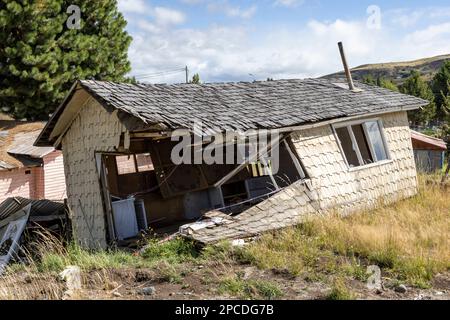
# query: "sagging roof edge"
[39,141]
[438,143]
[43,138]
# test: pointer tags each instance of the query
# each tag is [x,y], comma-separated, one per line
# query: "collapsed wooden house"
[338,149]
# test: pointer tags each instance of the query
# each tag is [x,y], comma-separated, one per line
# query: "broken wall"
[332,185]
[93,130]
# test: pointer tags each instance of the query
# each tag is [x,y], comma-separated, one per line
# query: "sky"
[230,40]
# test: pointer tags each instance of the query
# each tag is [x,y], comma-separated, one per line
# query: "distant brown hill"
[397,71]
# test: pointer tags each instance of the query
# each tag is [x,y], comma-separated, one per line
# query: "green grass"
[174,251]
[87,260]
[339,291]
[54,257]
[250,289]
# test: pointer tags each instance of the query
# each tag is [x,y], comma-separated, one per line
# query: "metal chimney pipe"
[348,74]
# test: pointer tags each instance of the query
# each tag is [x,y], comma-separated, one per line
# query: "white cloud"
[192,1]
[132,6]
[148,26]
[289,3]
[407,18]
[232,11]
[162,16]
[229,53]
[166,16]
[434,38]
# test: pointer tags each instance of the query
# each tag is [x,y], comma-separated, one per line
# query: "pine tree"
[196,79]
[441,89]
[369,79]
[387,84]
[416,86]
[41,57]
[380,81]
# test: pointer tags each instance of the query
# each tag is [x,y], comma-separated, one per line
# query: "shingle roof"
[257,105]
[231,106]
[16,144]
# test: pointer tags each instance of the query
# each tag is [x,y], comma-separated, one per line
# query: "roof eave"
[45,142]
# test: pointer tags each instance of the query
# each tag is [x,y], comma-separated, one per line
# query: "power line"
[161,73]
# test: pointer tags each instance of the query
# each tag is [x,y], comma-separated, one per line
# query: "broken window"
[374,132]
[348,147]
[259,169]
[362,143]
[134,163]
[144,162]
[125,164]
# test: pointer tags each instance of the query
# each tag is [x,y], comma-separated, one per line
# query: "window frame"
[348,125]
[136,166]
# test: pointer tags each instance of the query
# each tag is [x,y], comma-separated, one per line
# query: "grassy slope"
[398,71]
[408,240]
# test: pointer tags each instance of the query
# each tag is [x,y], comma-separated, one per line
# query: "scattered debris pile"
[20,217]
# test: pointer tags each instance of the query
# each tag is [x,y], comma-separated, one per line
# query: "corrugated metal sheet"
[38,207]
[35,152]
[427,141]
[23,145]
[5,165]
[16,144]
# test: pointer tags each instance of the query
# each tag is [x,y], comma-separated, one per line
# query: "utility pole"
[187,74]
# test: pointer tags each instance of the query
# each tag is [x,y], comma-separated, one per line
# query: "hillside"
[397,71]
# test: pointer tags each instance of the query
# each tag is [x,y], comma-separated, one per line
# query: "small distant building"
[27,171]
[429,152]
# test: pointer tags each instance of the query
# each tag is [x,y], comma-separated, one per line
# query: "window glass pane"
[377,141]
[125,164]
[363,146]
[347,146]
[144,162]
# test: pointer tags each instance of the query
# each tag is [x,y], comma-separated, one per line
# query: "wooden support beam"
[249,160]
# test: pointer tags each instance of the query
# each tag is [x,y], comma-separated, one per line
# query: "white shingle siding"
[334,186]
[338,185]
[94,129]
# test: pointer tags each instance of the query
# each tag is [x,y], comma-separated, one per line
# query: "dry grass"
[408,240]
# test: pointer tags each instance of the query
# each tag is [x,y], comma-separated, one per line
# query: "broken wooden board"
[10,236]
